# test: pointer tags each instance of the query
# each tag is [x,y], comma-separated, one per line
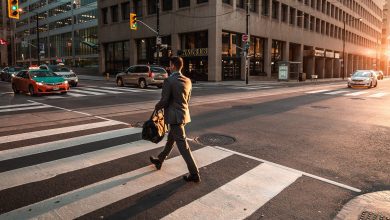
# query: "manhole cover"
[215,139]
[366,215]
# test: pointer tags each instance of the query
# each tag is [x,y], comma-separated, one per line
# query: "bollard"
[107,76]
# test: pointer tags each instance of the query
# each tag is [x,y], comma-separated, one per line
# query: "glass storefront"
[146,51]
[231,56]
[276,56]
[256,53]
[194,51]
[117,56]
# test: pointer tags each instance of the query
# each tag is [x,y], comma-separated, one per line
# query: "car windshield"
[15,69]
[42,74]
[157,70]
[59,69]
[362,74]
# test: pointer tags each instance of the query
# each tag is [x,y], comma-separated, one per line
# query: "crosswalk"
[24,107]
[31,169]
[99,91]
[350,93]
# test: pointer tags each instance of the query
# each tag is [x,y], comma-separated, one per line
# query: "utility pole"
[38,44]
[344,50]
[246,47]
[376,52]
[73,34]
[158,40]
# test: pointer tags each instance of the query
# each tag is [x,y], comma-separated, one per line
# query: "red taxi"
[36,81]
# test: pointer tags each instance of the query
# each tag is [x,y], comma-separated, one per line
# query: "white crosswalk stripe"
[75,94]
[348,93]
[336,92]
[127,89]
[22,107]
[102,91]
[87,92]
[378,95]
[356,93]
[235,199]
[318,91]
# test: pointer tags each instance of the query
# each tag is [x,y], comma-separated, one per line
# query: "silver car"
[363,78]
[143,76]
[63,71]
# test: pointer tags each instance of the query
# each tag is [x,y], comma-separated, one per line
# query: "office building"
[208,35]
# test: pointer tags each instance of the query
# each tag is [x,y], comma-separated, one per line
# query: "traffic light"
[133,21]
[13,9]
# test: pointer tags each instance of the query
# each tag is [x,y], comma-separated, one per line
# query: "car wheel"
[16,91]
[63,93]
[119,82]
[31,90]
[142,84]
[376,84]
[74,84]
[159,86]
[370,86]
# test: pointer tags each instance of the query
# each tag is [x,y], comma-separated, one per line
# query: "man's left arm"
[165,95]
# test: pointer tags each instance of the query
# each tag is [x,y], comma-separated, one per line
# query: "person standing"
[175,97]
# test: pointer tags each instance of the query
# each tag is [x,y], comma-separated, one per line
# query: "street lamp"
[344,21]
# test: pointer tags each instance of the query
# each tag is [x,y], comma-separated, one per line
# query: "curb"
[374,205]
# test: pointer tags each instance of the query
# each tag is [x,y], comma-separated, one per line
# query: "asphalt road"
[299,152]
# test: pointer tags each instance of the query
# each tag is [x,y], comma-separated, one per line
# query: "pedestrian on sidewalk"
[174,100]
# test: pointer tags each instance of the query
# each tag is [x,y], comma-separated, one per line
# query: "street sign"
[158,41]
[245,37]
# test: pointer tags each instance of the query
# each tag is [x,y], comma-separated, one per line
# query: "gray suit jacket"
[175,97]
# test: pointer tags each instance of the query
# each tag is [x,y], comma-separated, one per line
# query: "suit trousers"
[177,134]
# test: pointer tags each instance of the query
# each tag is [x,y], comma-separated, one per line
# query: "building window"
[152,7]
[299,18]
[137,4]
[292,16]
[253,5]
[265,7]
[114,13]
[306,21]
[201,1]
[240,3]
[104,15]
[275,9]
[256,52]
[184,3]
[167,5]
[284,13]
[231,59]
[226,2]
[312,20]
[125,10]
[276,56]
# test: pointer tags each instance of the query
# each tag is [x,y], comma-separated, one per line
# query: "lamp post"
[344,21]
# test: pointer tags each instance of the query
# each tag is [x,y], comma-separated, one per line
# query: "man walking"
[175,99]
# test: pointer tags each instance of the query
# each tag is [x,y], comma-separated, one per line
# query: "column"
[175,41]
[133,51]
[267,57]
[215,54]
[336,68]
[286,52]
[349,65]
[102,59]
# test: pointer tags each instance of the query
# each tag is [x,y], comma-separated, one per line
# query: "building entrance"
[231,68]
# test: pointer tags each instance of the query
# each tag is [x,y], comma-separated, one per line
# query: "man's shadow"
[149,200]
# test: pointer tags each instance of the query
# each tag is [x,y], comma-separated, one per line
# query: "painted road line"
[55,131]
[55,97]
[378,95]
[356,93]
[65,143]
[87,92]
[125,89]
[70,93]
[19,105]
[318,91]
[24,109]
[336,92]
[51,169]
[293,170]
[98,195]
[239,198]
[102,91]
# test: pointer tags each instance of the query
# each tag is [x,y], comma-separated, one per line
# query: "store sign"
[195,52]
[329,54]
[337,55]
[319,53]
[283,71]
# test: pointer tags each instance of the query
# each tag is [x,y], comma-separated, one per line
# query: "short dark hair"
[177,62]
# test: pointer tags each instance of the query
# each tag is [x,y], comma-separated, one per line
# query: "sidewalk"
[231,83]
[367,206]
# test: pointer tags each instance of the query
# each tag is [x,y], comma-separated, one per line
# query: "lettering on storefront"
[195,52]
[319,53]
[329,54]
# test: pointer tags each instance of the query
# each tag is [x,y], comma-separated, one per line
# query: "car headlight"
[66,82]
[40,84]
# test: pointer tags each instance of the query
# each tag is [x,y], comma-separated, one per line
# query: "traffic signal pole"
[158,32]
[38,44]
[247,48]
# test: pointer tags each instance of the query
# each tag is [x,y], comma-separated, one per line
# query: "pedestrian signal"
[13,9]
[133,21]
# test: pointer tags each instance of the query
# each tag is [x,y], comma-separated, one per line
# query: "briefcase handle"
[155,113]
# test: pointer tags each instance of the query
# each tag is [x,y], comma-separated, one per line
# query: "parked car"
[363,78]
[37,81]
[8,72]
[143,76]
[379,75]
[63,71]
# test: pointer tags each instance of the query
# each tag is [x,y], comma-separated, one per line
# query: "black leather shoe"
[156,162]
[192,178]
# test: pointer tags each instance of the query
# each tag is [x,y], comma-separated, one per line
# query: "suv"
[143,76]
[8,72]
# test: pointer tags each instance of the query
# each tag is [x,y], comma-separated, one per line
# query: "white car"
[363,78]
[63,71]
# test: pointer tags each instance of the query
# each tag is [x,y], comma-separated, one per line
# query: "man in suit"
[175,99]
